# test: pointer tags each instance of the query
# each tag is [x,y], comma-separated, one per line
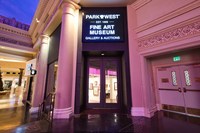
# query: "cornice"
[14,30]
[14,23]
[193,5]
[181,31]
[39,11]
[139,3]
[51,17]
[44,19]
[16,42]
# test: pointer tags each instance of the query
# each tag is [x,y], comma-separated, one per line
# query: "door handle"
[179,89]
[184,90]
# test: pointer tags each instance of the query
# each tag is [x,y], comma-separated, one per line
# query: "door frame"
[102,103]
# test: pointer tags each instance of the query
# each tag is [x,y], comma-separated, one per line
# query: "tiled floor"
[162,122]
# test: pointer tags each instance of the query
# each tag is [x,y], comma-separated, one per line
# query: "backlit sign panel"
[176,58]
[103,26]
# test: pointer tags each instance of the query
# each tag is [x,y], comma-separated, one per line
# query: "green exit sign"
[176,58]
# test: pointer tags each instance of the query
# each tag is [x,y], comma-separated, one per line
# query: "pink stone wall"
[135,64]
[145,23]
[158,8]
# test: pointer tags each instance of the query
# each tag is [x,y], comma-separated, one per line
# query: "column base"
[34,110]
[62,113]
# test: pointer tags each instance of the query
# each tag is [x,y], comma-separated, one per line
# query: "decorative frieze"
[9,40]
[171,35]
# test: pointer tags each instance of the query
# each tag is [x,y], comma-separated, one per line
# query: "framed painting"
[95,91]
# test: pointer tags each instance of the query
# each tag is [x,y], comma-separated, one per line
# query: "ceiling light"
[37,20]
[11,60]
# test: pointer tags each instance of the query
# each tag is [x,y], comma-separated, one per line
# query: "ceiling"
[105,3]
[12,59]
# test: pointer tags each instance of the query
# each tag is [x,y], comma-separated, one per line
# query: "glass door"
[103,83]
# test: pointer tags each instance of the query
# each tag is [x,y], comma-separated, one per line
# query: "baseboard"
[62,113]
[159,107]
[138,111]
[141,111]
[152,111]
[33,110]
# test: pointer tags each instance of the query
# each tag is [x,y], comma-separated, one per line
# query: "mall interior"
[102,66]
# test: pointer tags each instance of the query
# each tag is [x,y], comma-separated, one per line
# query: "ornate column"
[40,77]
[67,52]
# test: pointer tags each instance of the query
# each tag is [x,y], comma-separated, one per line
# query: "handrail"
[46,108]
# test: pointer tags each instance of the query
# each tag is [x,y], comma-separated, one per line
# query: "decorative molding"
[33,110]
[139,3]
[193,5]
[138,111]
[62,113]
[12,22]
[14,30]
[16,42]
[173,33]
[72,3]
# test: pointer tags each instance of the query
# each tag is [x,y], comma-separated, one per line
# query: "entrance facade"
[103,82]
[179,88]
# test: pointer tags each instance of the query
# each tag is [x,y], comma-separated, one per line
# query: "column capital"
[44,39]
[69,7]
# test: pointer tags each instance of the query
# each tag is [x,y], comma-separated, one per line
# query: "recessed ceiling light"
[102,54]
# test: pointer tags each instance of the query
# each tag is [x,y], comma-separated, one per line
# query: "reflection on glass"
[111,82]
[94,82]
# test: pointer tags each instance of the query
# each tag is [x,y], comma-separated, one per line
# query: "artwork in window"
[95,91]
[91,86]
[115,85]
[174,80]
[95,88]
[187,78]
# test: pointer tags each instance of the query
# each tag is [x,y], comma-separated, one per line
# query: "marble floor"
[18,120]
[9,99]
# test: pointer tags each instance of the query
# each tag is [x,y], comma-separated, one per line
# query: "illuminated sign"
[176,58]
[103,27]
